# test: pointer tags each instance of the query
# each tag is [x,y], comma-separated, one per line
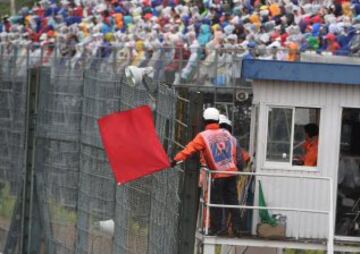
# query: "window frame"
[275,165]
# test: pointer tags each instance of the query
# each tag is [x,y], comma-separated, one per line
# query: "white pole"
[12,7]
[208,202]
[330,243]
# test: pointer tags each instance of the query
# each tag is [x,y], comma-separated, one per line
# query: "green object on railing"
[264,213]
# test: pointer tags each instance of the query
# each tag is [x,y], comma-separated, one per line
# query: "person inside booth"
[310,146]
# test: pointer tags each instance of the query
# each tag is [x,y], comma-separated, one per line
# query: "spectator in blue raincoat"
[205,35]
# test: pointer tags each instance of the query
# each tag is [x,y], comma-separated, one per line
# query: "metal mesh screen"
[76,187]
[74,183]
[12,141]
[97,187]
[58,154]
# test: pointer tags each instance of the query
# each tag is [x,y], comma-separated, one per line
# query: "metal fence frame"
[55,137]
[329,212]
[56,89]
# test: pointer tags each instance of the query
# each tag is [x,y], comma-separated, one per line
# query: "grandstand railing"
[219,67]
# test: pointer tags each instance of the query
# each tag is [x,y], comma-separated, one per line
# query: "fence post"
[82,238]
[190,189]
[30,240]
[189,207]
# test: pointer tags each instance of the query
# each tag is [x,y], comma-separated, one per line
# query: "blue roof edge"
[256,69]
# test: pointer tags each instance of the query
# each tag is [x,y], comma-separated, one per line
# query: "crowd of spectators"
[185,32]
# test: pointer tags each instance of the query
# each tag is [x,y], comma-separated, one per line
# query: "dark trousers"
[223,191]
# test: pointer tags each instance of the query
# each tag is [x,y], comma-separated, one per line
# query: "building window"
[279,134]
[292,136]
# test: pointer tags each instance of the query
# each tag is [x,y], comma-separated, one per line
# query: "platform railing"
[206,203]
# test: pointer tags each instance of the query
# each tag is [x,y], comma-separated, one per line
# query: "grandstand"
[62,66]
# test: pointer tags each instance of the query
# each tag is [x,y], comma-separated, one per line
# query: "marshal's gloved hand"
[173,163]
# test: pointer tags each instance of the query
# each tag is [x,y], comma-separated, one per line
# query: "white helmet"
[223,119]
[211,114]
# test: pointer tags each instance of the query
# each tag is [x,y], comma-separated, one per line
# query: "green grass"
[7,202]
[61,214]
[4,9]
[136,228]
[217,249]
[5,6]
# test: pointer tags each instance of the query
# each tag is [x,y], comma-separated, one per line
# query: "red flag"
[132,145]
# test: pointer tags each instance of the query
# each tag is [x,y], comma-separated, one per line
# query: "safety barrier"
[323,209]
[76,190]
[73,197]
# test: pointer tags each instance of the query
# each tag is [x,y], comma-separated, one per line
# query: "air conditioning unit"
[241,96]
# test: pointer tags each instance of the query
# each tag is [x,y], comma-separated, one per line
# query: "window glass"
[293,135]
[279,134]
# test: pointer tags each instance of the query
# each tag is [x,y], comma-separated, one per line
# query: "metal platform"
[209,243]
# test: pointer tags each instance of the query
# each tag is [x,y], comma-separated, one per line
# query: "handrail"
[266,174]
[330,212]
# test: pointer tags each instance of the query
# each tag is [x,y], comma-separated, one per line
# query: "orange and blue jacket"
[219,150]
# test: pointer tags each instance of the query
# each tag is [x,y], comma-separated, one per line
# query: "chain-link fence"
[81,208]
[12,144]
